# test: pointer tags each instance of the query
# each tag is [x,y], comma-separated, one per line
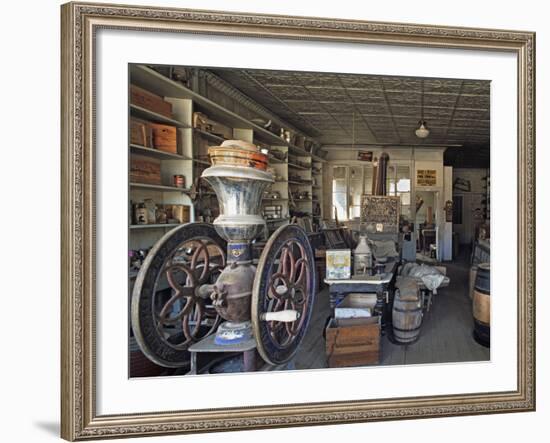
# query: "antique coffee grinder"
[239,178]
[200,290]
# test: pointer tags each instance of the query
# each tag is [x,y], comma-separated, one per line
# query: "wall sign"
[426,177]
[365,156]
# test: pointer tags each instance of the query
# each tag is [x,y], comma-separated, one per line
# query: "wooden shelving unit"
[299,167]
[317,189]
[147,78]
[138,111]
[155,153]
[208,136]
[191,159]
[144,236]
[162,188]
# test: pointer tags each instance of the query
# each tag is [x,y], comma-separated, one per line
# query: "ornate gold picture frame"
[80,23]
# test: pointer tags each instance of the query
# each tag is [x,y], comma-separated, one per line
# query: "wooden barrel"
[482,305]
[472,282]
[407,312]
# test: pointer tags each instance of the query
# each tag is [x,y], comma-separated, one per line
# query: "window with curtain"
[350,183]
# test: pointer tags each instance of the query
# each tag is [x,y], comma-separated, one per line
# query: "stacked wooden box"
[152,102]
[165,137]
[144,170]
[141,132]
[149,134]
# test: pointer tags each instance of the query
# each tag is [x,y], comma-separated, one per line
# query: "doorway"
[426,224]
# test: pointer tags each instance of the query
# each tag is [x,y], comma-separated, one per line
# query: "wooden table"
[380,284]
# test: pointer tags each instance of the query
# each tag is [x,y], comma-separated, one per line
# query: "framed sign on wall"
[426,177]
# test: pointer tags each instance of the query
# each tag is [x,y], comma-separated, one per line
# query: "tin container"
[338,264]
[179,181]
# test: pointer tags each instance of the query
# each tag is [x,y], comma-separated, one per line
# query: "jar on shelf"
[140,214]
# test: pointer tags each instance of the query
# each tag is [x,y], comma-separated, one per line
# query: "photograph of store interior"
[323,220]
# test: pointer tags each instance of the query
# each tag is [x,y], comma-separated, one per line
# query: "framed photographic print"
[195,146]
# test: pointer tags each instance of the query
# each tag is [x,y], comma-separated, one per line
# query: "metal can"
[179,181]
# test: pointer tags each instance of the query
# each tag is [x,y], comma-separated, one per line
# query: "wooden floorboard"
[445,337]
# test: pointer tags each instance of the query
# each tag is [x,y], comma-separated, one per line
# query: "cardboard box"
[353,342]
[152,102]
[338,264]
[165,137]
[144,170]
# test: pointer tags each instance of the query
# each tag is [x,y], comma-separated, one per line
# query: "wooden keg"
[472,282]
[482,305]
[407,311]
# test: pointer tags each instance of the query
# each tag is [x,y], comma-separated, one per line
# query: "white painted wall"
[471,200]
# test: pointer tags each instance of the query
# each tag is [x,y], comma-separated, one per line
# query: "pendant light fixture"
[422,131]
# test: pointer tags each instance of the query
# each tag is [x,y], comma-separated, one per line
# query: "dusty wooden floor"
[446,334]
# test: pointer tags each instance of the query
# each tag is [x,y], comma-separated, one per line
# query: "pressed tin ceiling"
[386,109]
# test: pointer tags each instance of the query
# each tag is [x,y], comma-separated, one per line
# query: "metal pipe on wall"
[381,174]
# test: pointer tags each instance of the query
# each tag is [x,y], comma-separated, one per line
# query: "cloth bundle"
[382,249]
[430,276]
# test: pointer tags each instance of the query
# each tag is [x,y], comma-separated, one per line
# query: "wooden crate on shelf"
[144,170]
[353,342]
[165,137]
[152,102]
[141,132]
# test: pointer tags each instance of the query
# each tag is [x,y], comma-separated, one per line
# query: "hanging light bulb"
[422,131]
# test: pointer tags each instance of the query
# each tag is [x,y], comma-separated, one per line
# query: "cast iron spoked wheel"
[285,280]
[167,322]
